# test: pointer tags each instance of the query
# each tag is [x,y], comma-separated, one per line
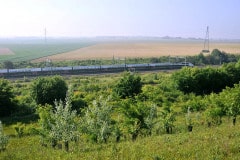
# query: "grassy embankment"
[219,142]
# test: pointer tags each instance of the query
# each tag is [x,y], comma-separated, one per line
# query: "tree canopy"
[45,90]
[6,96]
[207,80]
[129,85]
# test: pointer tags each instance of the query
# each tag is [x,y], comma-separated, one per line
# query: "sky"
[90,18]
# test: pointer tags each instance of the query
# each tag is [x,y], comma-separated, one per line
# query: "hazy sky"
[76,18]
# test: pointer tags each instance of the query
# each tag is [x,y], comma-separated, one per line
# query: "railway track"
[88,70]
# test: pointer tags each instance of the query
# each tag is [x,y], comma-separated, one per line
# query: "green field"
[28,50]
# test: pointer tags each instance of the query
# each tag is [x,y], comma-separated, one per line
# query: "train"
[94,69]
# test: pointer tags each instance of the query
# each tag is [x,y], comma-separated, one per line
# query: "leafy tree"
[6,98]
[195,103]
[3,139]
[139,117]
[45,90]
[64,128]
[215,110]
[97,121]
[213,116]
[231,97]
[233,73]
[219,57]
[60,125]
[201,80]
[128,86]
[8,65]
[78,102]
[168,119]
[185,80]
[44,122]
[200,58]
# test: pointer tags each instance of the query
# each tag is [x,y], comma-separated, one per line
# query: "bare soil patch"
[140,49]
[6,51]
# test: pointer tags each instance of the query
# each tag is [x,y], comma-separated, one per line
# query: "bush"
[97,120]
[6,98]
[128,86]
[59,126]
[45,90]
[201,80]
[19,129]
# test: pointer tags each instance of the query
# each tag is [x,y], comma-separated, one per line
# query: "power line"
[206,42]
[45,35]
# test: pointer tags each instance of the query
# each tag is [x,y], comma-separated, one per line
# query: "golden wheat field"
[141,49]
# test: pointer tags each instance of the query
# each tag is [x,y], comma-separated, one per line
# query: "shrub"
[19,129]
[139,117]
[97,120]
[48,89]
[6,96]
[128,86]
[60,125]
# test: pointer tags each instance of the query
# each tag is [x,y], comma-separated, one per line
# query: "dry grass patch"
[6,51]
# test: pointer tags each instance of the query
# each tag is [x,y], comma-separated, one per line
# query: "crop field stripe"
[26,52]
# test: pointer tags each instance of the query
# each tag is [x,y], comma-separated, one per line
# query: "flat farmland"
[28,51]
[5,51]
[130,49]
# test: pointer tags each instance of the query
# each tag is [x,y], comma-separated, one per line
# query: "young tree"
[45,90]
[168,119]
[97,121]
[44,122]
[6,96]
[3,139]
[139,117]
[189,120]
[60,125]
[128,86]
[64,128]
[215,110]
[231,97]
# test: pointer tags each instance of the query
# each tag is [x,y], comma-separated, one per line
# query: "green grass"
[218,142]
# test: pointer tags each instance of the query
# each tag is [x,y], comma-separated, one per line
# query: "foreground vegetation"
[188,114]
[220,142]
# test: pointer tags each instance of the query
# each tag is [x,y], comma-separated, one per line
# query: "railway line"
[80,70]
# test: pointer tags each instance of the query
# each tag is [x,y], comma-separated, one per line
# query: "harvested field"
[6,51]
[140,49]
